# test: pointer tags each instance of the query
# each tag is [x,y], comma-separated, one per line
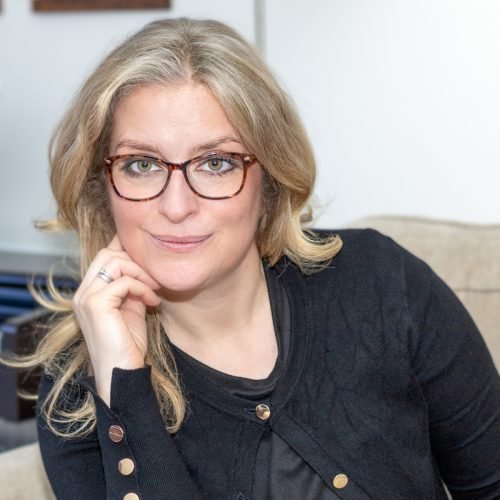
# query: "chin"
[181,278]
[186,274]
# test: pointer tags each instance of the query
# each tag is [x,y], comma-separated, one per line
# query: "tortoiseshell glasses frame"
[247,160]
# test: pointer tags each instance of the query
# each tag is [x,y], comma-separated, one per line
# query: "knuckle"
[78,298]
[126,280]
[103,252]
[91,301]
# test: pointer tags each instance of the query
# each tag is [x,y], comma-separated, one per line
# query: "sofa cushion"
[465,256]
[22,475]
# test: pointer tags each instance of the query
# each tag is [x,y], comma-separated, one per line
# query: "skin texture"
[195,259]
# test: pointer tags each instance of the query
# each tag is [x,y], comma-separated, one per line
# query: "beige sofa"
[466,256]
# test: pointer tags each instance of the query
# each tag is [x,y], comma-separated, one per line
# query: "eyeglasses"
[214,176]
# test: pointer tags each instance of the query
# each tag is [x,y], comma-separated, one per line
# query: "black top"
[388,390]
[278,468]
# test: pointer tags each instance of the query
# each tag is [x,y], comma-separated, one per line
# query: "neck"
[223,313]
[228,325]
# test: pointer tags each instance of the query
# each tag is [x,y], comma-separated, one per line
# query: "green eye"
[141,166]
[144,166]
[215,164]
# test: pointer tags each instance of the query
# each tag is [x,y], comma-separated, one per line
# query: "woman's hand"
[112,315]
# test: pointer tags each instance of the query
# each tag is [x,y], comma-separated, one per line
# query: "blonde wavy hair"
[167,52]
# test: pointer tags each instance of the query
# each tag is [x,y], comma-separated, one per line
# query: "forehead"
[174,119]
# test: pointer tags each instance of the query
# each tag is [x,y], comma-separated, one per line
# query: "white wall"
[401,99]
[44,57]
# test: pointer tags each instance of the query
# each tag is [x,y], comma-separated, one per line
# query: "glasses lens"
[138,178]
[217,175]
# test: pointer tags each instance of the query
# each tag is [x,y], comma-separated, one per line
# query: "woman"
[214,349]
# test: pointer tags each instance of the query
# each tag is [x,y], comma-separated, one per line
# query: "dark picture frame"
[81,5]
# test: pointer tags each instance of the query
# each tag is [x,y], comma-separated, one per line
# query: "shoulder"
[363,242]
[368,276]
[370,273]
[367,253]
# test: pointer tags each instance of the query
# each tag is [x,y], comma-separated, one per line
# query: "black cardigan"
[388,385]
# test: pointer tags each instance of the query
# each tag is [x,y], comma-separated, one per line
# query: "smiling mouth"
[180,243]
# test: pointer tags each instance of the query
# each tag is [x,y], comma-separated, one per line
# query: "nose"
[178,202]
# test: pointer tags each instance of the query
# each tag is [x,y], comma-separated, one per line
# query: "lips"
[180,243]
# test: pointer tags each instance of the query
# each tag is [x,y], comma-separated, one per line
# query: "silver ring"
[104,276]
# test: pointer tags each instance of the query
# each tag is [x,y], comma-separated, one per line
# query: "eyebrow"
[214,144]
[199,149]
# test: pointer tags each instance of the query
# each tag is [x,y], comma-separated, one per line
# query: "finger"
[119,266]
[116,292]
[115,263]
[100,260]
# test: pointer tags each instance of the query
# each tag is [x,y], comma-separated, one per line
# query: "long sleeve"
[131,452]
[460,384]
[74,466]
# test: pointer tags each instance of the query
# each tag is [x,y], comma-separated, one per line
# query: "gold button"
[340,481]
[115,433]
[126,466]
[131,496]
[263,412]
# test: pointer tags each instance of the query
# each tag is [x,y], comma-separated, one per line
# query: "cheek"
[252,196]
[127,219]
[244,213]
